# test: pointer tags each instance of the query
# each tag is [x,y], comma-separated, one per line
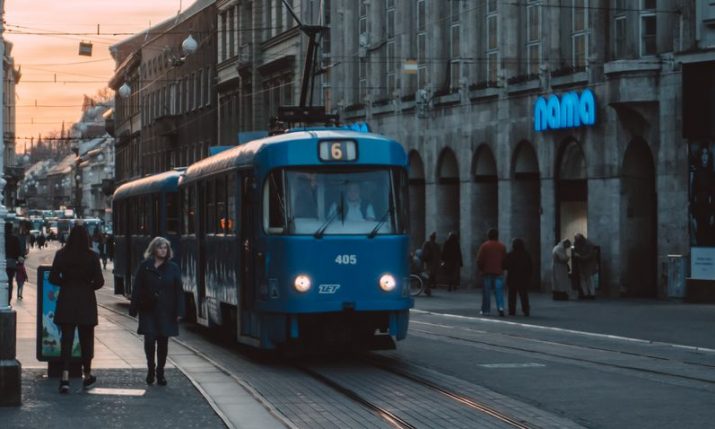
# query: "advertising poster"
[702,209]
[48,334]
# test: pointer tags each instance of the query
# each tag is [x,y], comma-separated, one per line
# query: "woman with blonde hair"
[158,299]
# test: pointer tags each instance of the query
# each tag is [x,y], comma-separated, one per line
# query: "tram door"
[247,237]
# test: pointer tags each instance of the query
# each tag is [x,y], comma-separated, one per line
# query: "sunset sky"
[44,56]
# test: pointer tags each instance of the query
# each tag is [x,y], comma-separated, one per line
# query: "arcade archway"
[571,191]
[417,200]
[526,204]
[447,194]
[639,221]
[485,201]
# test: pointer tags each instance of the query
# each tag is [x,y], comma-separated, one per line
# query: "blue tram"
[142,209]
[298,240]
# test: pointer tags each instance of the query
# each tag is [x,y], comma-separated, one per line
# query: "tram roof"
[161,182]
[245,154]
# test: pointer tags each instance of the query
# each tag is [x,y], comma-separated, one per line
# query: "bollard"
[10,368]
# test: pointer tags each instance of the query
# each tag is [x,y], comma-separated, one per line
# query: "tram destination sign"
[570,110]
[337,150]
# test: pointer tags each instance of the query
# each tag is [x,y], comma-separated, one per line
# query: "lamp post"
[10,368]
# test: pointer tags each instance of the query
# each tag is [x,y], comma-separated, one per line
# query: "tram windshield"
[335,202]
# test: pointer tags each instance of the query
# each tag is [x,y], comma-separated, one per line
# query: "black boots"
[160,380]
[150,375]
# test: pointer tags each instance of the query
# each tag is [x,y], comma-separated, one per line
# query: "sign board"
[570,110]
[85,49]
[48,334]
[702,263]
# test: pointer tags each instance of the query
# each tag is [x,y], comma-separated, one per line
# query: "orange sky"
[44,56]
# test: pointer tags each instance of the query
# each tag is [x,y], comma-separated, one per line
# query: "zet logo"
[571,110]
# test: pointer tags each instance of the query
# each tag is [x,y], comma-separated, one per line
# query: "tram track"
[581,359]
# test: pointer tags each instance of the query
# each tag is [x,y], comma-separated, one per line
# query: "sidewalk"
[668,321]
[121,397]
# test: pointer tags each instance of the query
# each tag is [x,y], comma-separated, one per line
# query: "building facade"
[12,172]
[542,118]
[261,52]
[168,118]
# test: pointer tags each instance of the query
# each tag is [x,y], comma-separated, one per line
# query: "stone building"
[261,52]
[492,101]
[168,118]
[12,172]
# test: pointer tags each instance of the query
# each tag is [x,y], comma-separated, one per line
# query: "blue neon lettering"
[570,111]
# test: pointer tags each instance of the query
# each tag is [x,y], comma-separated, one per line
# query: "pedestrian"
[12,253]
[584,255]
[20,276]
[490,261]
[560,281]
[452,261]
[96,241]
[76,271]
[431,255]
[109,246]
[519,276]
[41,240]
[32,240]
[103,250]
[158,298]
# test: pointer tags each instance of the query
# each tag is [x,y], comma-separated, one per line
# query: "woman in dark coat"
[76,271]
[158,298]
[519,272]
[452,261]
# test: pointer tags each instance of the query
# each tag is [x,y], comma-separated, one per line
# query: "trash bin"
[676,276]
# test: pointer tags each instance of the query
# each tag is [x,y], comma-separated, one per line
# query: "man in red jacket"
[490,261]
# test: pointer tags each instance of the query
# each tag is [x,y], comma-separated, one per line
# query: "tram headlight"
[387,283]
[301,283]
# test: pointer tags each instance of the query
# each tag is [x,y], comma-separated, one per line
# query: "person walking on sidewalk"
[158,298]
[20,276]
[431,256]
[76,271]
[519,276]
[12,252]
[584,255]
[452,261]
[560,282]
[490,261]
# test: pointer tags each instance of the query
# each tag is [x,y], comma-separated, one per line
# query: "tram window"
[210,221]
[231,204]
[172,216]
[155,215]
[191,215]
[220,196]
[274,220]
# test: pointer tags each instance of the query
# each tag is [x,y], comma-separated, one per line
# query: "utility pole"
[10,368]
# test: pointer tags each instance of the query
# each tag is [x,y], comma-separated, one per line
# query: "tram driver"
[355,207]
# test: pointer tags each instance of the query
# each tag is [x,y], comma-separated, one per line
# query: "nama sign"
[571,110]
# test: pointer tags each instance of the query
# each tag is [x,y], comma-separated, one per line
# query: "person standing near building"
[519,276]
[76,271]
[158,299]
[490,261]
[431,256]
[452,260]
[560,282]
[584,255]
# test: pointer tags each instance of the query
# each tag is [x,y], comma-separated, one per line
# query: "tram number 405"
[346,259]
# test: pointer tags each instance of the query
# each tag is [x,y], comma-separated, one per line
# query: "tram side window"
[210,221]
[274,220]
[187,213]
[220,195]
[231,204]
[172,214]
[155,215]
